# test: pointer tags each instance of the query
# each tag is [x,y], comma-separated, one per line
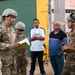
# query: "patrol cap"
[9,12]
[20,25]
[71,17]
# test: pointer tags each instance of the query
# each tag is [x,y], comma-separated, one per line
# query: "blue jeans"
[39,55]
[57,63]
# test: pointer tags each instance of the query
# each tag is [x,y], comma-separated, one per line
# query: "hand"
[22,50]
[35,37]
[38,37]
[65,47]
[60,53]
[15,45]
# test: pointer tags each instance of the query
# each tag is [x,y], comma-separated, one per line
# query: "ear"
[74,23]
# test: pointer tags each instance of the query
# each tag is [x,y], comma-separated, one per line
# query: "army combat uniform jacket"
[7,38]
[69,67]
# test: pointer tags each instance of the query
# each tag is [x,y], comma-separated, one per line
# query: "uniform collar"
[6,27]
[36,28]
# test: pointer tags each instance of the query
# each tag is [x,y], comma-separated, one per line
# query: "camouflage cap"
[8,12]
[20,25]
[71,17]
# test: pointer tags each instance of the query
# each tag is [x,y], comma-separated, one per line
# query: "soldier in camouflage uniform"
[21,57]
[7,41]
[69,67]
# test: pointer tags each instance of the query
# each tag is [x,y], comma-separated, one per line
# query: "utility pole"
[59,12]
[50,15]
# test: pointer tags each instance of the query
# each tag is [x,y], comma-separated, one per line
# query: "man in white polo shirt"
[37,36]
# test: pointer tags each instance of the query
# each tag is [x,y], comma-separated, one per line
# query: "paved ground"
[48,69]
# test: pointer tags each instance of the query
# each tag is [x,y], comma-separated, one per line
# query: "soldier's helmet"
[9,12]
[20,25]
[71,17]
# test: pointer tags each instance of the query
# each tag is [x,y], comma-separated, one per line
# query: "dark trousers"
[39,55]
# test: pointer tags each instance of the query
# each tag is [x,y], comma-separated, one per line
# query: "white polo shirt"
[37,45]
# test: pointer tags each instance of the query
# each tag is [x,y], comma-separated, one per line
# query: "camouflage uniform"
[69,67]
[21,58]
[7,37]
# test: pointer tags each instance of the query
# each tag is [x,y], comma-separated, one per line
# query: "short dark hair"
[36,20]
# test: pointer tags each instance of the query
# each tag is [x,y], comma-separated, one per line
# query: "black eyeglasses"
[20,30]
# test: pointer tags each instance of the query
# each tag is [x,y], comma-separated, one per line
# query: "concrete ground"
[47,66]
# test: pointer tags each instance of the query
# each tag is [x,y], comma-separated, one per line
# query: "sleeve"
[43,33]
[2,45]
[31,34]
[64,39]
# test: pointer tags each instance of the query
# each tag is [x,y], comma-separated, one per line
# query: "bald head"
[56,25]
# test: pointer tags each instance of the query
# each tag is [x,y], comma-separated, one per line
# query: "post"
[59,12]
[50,14]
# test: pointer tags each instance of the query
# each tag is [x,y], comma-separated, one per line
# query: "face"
[56,26]
[13,19]
[36,23]
[69,24]
[10,20]
[19,31]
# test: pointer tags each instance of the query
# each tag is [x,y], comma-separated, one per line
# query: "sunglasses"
[20,30]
